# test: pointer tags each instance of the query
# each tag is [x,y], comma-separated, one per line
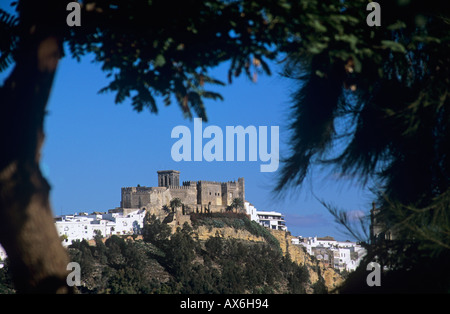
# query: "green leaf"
[349,38]
[394,46]
[427,39]
[318,27]
[397,25]
[358,65]
[159,61]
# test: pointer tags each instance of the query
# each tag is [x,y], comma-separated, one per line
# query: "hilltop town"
[174,203]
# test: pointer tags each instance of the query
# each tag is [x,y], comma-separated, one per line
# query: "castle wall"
[232,190]
[241,193]
[151,198]
[187,194]
[210,193]
[158,199]
[134,197]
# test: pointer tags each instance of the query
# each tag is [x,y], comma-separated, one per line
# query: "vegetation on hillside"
[237,221]
[165,262]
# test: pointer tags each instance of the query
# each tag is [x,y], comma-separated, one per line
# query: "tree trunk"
[27,230]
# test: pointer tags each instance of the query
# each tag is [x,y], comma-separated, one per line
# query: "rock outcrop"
[204,233]
[332,279]
[316,268]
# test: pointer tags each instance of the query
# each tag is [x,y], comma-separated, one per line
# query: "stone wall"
[209,193]
[232,190]
[187,194]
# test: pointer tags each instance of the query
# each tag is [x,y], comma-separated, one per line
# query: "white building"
[269,219]
[251,211]
[84,227]
[272,220]
[346,255]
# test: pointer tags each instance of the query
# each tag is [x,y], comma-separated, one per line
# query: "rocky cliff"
[204,233]
[317,269]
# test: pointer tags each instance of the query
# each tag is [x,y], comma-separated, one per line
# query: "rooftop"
[268,213]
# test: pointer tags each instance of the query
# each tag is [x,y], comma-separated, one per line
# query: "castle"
[196,196]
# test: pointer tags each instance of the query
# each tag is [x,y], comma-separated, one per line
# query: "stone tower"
[168,178]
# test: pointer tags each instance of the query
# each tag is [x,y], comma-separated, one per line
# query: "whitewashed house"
[85,227]
[346,255]
[251,211]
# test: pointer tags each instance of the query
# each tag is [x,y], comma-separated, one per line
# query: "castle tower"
[241,184]
[168,178]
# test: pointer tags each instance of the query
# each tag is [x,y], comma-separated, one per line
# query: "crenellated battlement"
[136,189]
[143,189]
[209,182]
[183,187]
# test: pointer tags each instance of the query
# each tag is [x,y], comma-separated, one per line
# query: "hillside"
[226,254]
[317,271]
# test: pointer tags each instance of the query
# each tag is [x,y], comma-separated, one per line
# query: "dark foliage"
[372,104]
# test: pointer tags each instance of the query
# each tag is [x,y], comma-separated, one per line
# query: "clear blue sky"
[94,147]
